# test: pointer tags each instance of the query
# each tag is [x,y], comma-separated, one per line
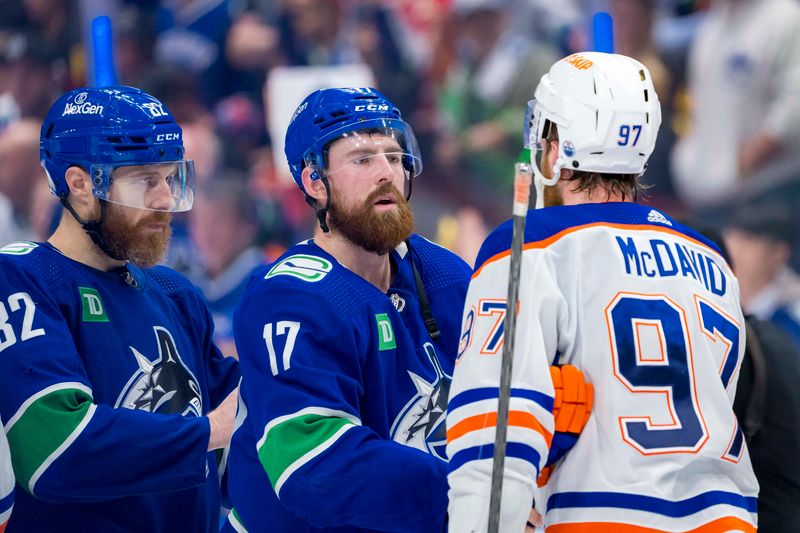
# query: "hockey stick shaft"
[522,186]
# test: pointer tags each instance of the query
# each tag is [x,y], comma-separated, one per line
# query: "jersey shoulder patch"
[19,248]
[306,267]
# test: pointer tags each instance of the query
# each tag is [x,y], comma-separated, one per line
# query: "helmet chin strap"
[93,228]
[540,182]
[321,212]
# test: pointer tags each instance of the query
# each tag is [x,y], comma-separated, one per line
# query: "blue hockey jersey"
[104,378]
[341,414]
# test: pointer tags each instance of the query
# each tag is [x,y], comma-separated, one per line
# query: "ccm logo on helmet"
[161,137]
[83,108]
[372,107]
[579,62]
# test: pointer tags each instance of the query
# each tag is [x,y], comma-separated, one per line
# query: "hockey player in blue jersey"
[347,341]
[6,481]
[111,389]
[647,308]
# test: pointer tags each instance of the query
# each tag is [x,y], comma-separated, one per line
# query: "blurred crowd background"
[727,73]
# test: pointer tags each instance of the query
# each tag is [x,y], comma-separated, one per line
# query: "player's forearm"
[468,509]
[371,483]
[112,452]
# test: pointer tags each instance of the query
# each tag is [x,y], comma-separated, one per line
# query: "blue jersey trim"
[544,223]
[7,501]
[475,453]
[638,502]
[488,393]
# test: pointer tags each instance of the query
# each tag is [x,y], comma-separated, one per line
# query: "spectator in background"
[19,154]
[191,34]
[223,227]
[134,40]
[33,77]
[310,33]
[56,22]
[633,37]
[203,146]
[759,238]
[768,409]
[334,32]
[744,75]
[484,97]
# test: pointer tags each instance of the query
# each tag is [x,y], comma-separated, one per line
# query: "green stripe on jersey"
[236,522]
[45,429]
[294,442]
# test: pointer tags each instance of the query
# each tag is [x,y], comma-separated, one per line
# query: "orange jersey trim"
[544,243]
[515,419]
[720,525]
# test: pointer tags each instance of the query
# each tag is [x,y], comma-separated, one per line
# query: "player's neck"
[597,195]
[72,241]
[373,267]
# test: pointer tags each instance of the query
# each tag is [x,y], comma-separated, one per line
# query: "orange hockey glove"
[571,409]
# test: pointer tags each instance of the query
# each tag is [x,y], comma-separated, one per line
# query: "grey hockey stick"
[523,175]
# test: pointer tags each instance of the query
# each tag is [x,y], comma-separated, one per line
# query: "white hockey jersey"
[649,311]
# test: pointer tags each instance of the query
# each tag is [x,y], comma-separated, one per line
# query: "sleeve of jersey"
[302,372]
[64,447]
[222,373]
[472,408]
[6,481]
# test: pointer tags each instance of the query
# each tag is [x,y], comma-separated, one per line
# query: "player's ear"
[552,151]
[313,185]
[80,187]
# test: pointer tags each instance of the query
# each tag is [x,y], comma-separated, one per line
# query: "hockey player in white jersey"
[645,307]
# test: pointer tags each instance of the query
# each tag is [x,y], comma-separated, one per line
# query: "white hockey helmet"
[607,113]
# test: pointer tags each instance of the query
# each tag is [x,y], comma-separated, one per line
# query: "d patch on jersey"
[386,340]
[306,267]
[93,310]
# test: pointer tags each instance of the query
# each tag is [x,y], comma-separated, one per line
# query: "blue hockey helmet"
[101,129]
[330,114]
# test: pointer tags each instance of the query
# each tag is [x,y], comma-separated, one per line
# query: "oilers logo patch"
[164,385]
[421,422]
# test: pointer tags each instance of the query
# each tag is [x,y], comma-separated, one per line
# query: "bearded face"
[365,225]
[142,240]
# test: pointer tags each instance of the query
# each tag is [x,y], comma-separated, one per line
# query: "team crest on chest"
[421,422]
[164,385]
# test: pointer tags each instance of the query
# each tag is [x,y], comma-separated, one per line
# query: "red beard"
[135,242]
[377,232]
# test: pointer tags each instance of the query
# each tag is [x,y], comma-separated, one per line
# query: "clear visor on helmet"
[533,132]
[374,149]
[156,187]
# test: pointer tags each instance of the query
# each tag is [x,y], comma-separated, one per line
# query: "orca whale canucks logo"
[165,385]
[421,422]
